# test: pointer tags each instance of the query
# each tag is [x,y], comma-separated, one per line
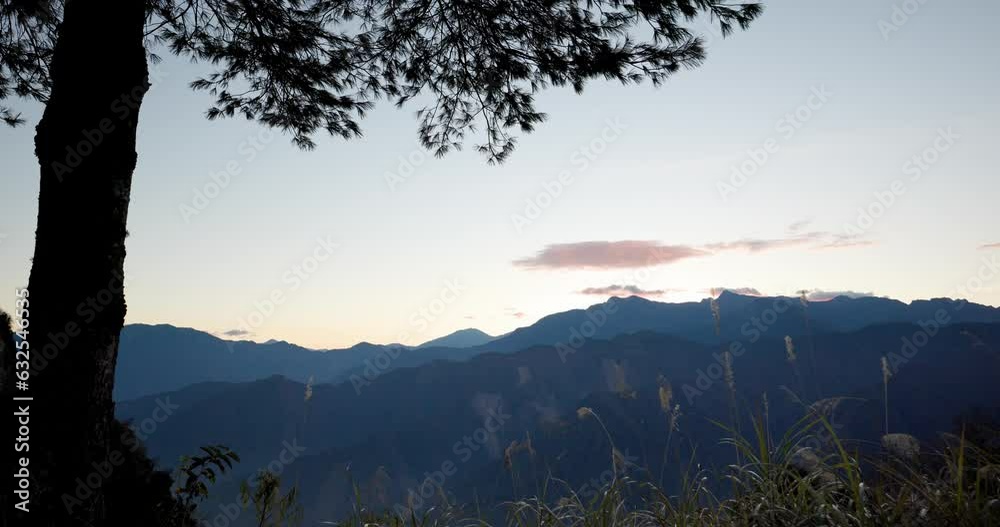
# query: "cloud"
[755,245]
[514,312]
[844,241]
[818,295]
[814,239]
[990,246]
[603,255]
[799,225]
[813,295]
[846,244]
[622,290]
[237,333]
[607,255]
[745,291]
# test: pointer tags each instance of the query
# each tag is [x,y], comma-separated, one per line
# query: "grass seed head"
[790,349]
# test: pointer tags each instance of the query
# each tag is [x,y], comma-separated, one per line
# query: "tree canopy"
[306,66]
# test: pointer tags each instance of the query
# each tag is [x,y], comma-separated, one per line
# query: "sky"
[835,146]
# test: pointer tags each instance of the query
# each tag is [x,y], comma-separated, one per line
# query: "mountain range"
[486,419]
[159,358]
[409,424]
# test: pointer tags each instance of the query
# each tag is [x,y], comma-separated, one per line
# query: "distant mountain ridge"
[406,423]
[463,338]
[161,358]
[740,316]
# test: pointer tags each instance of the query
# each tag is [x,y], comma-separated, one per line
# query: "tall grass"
[776,481]
[673,414]
[779,484]
[727,366]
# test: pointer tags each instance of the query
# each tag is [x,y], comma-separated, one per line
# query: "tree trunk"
[85,145]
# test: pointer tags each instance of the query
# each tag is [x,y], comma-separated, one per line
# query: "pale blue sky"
[657,181]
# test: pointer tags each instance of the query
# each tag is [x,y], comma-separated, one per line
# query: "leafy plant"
[271,507]
[197,472]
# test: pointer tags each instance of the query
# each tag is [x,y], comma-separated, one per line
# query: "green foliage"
[271,508]
[319,65]
[197,472]
[27,35]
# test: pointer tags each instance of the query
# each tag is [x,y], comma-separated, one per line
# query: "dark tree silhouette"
[301,66]
[139,493]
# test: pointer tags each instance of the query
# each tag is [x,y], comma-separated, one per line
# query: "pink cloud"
[990,246]
[608,255]
[602,255]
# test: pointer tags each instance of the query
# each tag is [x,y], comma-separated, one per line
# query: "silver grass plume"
[902,446]
[825,408]
[508,455]
[727,365]
[790,349]
[666,394]
[716,315]
[804,298]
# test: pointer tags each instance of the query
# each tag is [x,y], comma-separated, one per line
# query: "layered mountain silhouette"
[408,423]
[160,358]
[463,338]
